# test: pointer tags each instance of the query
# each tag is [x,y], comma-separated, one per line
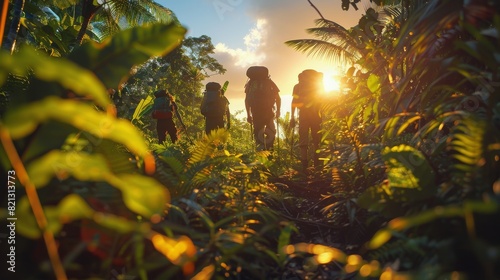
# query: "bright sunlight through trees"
[331,83]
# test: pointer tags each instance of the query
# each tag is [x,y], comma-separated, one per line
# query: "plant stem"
[3,19]
[34,201]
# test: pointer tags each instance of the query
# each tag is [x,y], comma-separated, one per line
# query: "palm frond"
[331,27]
[333,35]
[325,50]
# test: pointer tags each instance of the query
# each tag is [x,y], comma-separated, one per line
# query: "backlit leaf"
[82,166]
[112,60]
[143,195]
[69,209]
[25,119]
[69,75]
[374,84]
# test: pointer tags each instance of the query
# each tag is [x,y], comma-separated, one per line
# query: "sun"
[331,83]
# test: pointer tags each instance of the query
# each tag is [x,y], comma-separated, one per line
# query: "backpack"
[213,103]
[309,86]
[260,90]
[257,72]
[162,106]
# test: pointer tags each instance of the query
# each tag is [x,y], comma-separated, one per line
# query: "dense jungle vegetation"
[409,189]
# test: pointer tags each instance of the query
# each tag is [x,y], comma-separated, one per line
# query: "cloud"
[275,22]
[252,53]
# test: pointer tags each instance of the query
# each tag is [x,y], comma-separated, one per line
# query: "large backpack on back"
[162,106]
[213,103]
[260,89]
[257,72]
[309,86]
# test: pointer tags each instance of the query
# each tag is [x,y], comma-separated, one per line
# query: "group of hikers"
[262,104]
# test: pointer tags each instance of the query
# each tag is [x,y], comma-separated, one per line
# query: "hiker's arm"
[228,115]
[293,106]
[278,105]
[292,110]
[247,107]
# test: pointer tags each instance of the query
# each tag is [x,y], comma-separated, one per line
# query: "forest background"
[409,187]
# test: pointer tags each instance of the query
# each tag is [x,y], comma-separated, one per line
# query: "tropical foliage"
[411,151]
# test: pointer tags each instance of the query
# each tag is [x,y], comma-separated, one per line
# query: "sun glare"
[331,83]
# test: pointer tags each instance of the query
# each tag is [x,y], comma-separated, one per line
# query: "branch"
[316,9]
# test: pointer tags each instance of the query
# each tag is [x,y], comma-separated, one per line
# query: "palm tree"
[335,42]
[111,14]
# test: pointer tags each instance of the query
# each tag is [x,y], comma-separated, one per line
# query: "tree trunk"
[10,41]
[88,12]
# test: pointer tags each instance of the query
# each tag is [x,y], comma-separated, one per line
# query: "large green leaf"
[408,168]
[71,208]
[410,178]
[144,107]
[141,194]
[374,84]
[82,166]
[25,120]
[112,60]
[69,75]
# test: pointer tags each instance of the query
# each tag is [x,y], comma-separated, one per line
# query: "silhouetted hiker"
[214,107]
[262,103]
[164,107]
[305,98]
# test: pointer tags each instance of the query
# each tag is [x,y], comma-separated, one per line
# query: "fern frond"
[467,143]
[208,145]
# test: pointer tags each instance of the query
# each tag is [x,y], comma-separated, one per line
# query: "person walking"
[305,99]
[215,107]
[164,107]
[262,103]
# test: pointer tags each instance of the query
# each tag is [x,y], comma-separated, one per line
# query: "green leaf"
[25,120]
[71,208]
[112,60]
[38,145]
[119,224]
[428,216]
[144,107]
[26,224]
[143,195]
[82,166]
[410,178]
[380,238]
[374,84]
[408,168]
[69,75]
[284,240]
[405,125]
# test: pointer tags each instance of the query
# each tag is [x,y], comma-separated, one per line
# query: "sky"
[253,32]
